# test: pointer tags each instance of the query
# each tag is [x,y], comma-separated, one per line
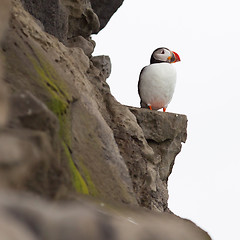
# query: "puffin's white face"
[162,54]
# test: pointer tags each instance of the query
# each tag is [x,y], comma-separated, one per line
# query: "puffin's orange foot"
[150,107]
[164,109]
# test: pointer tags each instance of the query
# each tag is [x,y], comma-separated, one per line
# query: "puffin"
[157,81]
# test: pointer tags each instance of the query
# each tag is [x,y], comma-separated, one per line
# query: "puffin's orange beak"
[176,56]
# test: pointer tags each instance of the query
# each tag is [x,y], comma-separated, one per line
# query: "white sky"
[204,185]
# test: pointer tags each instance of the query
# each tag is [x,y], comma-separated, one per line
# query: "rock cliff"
[64,136]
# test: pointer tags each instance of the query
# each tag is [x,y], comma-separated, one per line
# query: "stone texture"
[57,76]
[4,15]
[64,19]
[86,45]
[81,20]
[28,112]
[103,64]
[3,97]
[105,9]
[73,21]
[52,15]
[164,132]
[13,229]
[35,219]
[29,146]
[72,18]
[22,152]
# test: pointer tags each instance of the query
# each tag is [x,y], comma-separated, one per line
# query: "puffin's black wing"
[143,105]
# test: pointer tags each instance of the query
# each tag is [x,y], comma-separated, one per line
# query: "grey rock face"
[52,14]
[58,77]
[27,111]
[105,9]
[164,132]
[35,219]
[86,45]
[64,19]
[4,16]
[103,63]
[29,148]
[81,20]
[72,21]
[3,98]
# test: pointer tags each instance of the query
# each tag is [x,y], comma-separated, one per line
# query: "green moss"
[59,99]
[78,182]
[62,112]
[91,187]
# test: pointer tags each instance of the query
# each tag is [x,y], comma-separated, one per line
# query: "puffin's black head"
[164,55]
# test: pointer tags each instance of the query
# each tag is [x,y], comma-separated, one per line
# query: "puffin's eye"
[163,52]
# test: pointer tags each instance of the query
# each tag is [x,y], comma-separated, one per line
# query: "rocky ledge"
[64,136]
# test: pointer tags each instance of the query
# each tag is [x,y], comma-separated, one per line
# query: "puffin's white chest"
[157,84]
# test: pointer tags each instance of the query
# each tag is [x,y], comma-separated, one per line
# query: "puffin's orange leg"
[164,109]
[150,107]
